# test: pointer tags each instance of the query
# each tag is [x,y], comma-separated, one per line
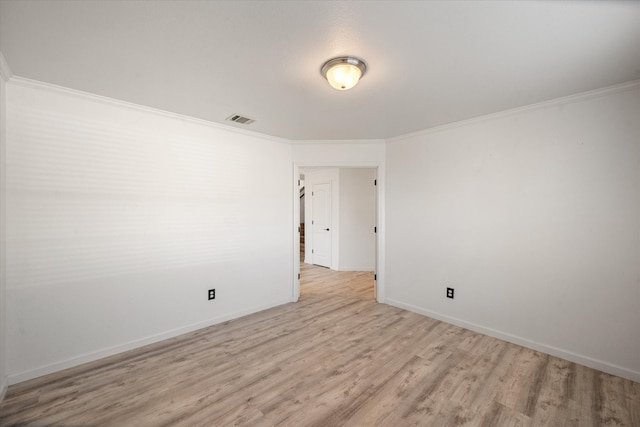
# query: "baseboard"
[550,350]
[90,357]
[355,268]
[4,384]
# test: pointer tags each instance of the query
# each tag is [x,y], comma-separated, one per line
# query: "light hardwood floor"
[334,358]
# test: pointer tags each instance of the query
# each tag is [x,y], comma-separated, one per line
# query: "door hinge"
[375,277]
[311,222]
[311,250]
[298,276]
[375,182]
[375,229]
[298,183]
[298,229]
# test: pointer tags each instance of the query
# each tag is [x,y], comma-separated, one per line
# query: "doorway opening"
[337,216]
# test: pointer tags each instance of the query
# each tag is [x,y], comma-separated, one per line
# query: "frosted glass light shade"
[343,73]
[343,77]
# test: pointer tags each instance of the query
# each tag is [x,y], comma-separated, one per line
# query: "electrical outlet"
[450,293]
[212,294]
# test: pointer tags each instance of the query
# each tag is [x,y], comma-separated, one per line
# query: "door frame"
[379,283]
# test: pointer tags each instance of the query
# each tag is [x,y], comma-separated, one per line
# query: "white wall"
[357,215]
[533,216]
[366,153]
[120,218]
[5,74]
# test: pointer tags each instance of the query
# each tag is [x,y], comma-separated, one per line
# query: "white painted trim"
[4,384]
[544,348]
[381,234]
[5,71]
[338,141]
[5,75]
[330,165]
[295,290]
[24,82]
[635,84]
[90,357]
[356,268]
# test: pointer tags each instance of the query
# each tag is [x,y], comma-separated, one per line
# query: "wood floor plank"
[335,358]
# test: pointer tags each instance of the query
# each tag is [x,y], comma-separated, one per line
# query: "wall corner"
[5,75]
[5,71]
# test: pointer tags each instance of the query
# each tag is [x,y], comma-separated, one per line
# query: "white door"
[321,224]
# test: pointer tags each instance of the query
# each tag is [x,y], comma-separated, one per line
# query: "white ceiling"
[430,63]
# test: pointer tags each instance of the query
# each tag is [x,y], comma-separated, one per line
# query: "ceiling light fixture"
[343,72]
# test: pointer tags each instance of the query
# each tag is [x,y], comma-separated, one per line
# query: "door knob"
[326,229]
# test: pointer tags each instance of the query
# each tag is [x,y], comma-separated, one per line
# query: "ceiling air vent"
[240,119]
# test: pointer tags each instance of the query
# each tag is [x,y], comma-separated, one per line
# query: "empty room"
[319,213]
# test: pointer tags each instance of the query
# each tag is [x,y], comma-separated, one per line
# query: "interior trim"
[544,348]
[623,87]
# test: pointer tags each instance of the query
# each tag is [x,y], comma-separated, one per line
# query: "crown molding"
[338,141]
[609,90]
[5,71]
[6,74]
[24,82]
